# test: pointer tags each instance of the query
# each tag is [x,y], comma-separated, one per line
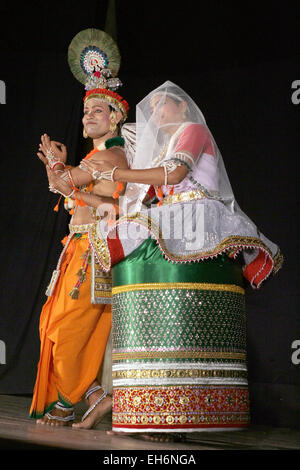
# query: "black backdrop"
[239,66]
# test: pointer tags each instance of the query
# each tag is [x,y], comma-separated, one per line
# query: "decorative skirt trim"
[180,408]
[169,354]
[185,196]
[101,281]
[37,414]
[100,248]
[256,271]
[220,231]
[178,285]
[212,428]
[261,268]
[176,372]
[83,228]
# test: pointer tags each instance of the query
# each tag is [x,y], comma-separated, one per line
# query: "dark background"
[238,63]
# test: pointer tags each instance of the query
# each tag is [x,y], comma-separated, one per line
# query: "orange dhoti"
[73,335]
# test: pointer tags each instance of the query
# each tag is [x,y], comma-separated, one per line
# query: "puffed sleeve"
[191,144]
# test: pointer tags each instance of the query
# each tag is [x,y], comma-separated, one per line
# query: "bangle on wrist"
[69,195]
[57,162]
[166,175]
[96,174]
[104,175]
[71,179]
[113,173]
[56,191]
[169,166]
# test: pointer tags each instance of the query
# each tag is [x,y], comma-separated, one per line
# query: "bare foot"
[95,416]
[49,418]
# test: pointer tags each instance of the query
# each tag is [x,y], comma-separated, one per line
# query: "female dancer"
[179,275]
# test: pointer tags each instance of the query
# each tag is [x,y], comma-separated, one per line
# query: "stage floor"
[18,432]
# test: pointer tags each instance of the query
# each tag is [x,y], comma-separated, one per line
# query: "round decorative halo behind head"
[94,60]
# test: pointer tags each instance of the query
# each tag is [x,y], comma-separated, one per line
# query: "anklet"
[94,405]
[61,418]
[92,390]
[60,406]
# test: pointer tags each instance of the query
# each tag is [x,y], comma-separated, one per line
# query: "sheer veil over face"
[160,117]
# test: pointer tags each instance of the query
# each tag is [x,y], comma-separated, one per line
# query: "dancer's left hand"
[99,165]
[56,182]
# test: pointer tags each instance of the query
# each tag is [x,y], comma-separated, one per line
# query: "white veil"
[154,144]
[128,132]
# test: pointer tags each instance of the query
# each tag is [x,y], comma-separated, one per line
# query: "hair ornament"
[94,60]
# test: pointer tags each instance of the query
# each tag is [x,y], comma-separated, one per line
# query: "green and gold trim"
[178,285]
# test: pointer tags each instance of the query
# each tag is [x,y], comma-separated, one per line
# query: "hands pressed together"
[51,149]
[54,156]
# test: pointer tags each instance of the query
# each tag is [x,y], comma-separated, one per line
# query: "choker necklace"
[113,142]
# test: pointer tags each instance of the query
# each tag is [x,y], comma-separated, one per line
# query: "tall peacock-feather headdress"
[94,60]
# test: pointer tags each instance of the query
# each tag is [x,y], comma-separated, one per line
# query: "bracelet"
[82,167]
[113,172]
[105,175]
[49,154]
[96,174]
[52,190]
[169,166]
[166,175]
[55,191]
[57,162]
[70,179]
[69,195]
[52,160]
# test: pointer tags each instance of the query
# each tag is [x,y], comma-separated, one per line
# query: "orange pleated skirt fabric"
[73,335]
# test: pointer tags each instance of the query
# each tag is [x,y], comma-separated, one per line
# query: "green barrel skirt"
[179,344]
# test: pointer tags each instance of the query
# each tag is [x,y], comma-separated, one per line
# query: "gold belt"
[83,228]
[185,197]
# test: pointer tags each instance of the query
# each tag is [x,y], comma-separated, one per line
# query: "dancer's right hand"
[58,149]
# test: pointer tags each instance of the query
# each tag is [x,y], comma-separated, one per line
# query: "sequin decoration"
[179,358]
[186,408]
[178,320]
[101,284]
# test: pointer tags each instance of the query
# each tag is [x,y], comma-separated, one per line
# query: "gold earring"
[84,133]
[113,124]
